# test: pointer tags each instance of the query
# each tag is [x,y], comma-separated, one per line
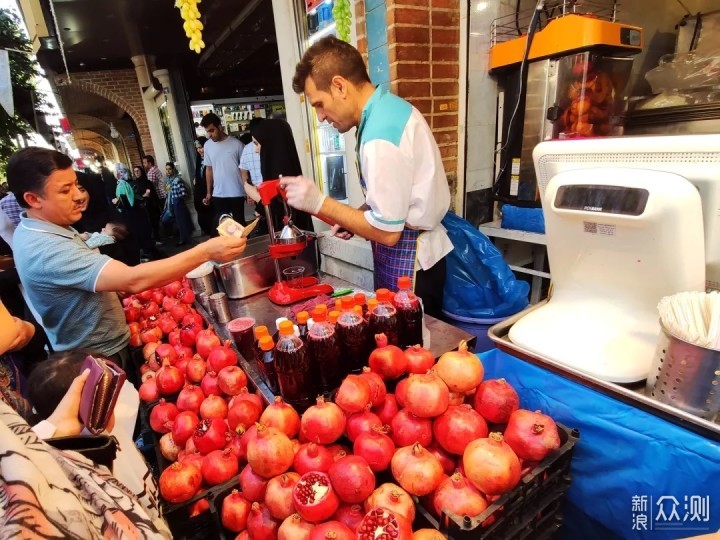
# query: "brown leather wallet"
[100,393]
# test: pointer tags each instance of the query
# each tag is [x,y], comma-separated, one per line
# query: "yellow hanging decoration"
[191,25]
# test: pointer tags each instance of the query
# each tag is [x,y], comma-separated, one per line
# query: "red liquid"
[353,345]
[294,376]
[384,320]
[266,365]
[242,332]
[325,356]
[410,317]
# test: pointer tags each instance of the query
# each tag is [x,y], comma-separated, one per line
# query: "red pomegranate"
[458,496]
[496,400]
[361,422]
[278,495]
[179,482]
[314,497]
[312,457]
[243,414]
[190,398]
[195,369]
[491,465]
[375,447]
[199,507]
[531,435]
[332,530]
[187,335]
[220,357]
[270,453]
[209,384]
[162,416]
[295,528]
[352,479]
[205,341]
[353,395]
[388,361]
[148,351]
[448,462]
[245,394]
[281,416]
[235,511]
[418,471]
[148,391]
[384,523]
[171,289]
[213,407]
[338,450]
[178,312]
[219,466]
[322,423]
[387,410]
[192,458]
[186,296]
[253,486]
[426,395]
[377,386]
[457,427]
[210,435]
[350,516]
[392,497]
[419,360]
[231,380]
[184,426]
[169,379]
[428,534]
[260,524]
[408,429]
[400,392]
[461,370]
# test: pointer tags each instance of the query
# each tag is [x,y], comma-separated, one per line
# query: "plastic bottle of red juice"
[384,318]
[324,350]
[352,333]
[292,365]
[410,314]
[266,363]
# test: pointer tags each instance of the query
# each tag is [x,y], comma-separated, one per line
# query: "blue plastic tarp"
[630,468]
[523,219]
[479,284]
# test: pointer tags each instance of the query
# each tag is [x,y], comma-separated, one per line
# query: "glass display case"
[235,114]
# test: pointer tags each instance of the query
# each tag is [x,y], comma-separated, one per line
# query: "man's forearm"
[209,181]
[117,276]
[353,220]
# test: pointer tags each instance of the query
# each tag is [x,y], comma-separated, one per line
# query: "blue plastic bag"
[479,283]
[523,219]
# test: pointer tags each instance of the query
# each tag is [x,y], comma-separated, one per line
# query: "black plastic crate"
[533,510]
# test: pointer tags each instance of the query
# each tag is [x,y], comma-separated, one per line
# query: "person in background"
[250,160]
[109,182]
[157,179]
[176,202]
[401,171]
[73,288]
[204,213]
[146,195]
[275,145]
[134,215]
[12,209]
[225,190]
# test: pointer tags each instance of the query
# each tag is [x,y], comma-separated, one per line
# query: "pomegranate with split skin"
[382,523]
[314,497]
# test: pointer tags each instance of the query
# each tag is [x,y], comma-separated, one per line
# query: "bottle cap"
[372,304]
[319,314]
[382,295]
[286,328]
[348,303]
[302,317]
[358,310]
[266,343]
[321,306]
[404,283]
[338,304]
[333,316]
[360,299]
[260,332]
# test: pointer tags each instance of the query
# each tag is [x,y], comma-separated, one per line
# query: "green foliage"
[343,18]
[23,73]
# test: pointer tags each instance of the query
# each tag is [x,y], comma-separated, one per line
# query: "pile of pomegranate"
[314,476]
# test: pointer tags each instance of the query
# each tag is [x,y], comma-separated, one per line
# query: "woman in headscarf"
[176,203]
[204,212]
[130,207]
[274,141]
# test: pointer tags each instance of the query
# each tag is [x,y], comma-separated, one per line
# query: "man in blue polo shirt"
[400,167]
[73,288]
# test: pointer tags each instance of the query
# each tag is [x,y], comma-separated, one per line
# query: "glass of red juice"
[241,330]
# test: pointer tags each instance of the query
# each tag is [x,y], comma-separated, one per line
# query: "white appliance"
[628,221]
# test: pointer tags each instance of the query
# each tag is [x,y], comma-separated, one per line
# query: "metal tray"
[633,394]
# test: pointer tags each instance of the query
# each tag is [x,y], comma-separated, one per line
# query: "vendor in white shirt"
[401,170]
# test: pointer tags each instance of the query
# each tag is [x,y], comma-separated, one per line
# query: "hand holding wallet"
[100,393]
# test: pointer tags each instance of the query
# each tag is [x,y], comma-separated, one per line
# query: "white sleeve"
[245,158]
[388,177]
[207,157]
[44,430]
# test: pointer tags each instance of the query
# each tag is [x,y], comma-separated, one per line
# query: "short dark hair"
[327,58]
[28,170]
[210,119]
[149,159]
[119,231]
[170,164]
[50,380]
[254,122]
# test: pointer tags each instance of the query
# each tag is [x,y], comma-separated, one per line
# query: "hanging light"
[113,132]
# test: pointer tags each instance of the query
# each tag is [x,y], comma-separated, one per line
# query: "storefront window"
[165,123]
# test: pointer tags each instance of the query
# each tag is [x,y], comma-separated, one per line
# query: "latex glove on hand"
[302,194]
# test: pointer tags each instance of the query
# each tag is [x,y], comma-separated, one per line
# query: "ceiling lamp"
[114,132]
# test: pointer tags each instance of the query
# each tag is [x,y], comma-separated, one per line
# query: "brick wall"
[121,87]
[423,40]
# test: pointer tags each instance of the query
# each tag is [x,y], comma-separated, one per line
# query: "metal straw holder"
[685,376]
[220,308]
[204,300]
[202,279]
